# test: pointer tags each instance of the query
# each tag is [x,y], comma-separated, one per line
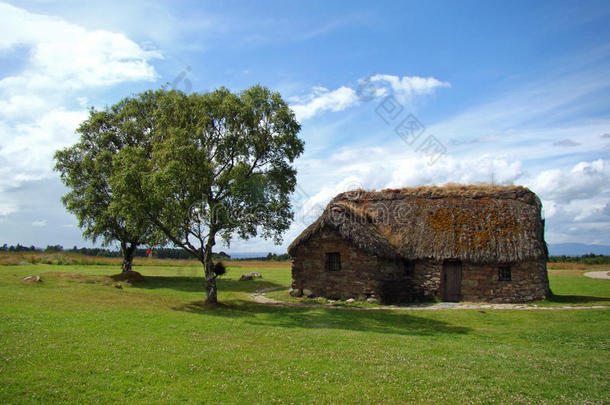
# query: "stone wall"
[364,275]
[427,278]
[529,281]
[356,279]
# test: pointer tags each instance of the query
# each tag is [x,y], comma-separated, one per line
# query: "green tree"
[221,166]
[86,167]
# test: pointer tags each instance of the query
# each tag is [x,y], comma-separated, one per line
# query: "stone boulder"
[250,276]
[295,292]
[307,292]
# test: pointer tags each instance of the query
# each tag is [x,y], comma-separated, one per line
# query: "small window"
[408,267]
[333,262]
[504,274]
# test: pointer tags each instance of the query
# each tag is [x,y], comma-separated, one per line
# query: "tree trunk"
[128,252]
[211,292]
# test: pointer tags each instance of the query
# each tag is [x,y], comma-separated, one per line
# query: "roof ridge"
[505,192]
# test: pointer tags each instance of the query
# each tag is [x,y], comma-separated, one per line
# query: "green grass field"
[75,337]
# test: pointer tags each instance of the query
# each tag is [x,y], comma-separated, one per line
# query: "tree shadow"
[378,321]
[197,284]
[576,299]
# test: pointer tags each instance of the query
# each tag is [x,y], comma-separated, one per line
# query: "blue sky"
[511,92]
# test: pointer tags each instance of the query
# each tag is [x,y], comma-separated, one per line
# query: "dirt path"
[598,274]
[259,297]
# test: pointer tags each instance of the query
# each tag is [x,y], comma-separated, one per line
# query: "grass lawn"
[75,337]
[570,287]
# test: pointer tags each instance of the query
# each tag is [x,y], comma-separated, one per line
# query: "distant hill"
[577,249]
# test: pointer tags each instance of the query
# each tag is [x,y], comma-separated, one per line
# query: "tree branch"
[186,245]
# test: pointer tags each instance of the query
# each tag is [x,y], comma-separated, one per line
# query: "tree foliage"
[87,166]
[220,166]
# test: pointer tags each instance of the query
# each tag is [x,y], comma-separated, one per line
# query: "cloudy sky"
[390,95]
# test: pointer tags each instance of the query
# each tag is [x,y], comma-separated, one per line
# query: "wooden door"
[451,281]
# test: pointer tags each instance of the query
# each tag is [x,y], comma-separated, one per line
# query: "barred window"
[504,273]
[333,261]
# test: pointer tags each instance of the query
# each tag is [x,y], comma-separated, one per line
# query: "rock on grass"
[250,276]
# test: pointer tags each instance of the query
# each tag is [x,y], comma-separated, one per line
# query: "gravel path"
[259,297]
[598,274]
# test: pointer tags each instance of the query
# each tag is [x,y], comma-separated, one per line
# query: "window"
[408,267]
[504,273]
[333,262]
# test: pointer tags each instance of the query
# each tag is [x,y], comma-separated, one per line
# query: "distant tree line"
[589,258]
[160,253]
[175,253]
[270,257]
[18,248]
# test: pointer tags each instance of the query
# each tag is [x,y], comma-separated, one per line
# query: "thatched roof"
[479,224]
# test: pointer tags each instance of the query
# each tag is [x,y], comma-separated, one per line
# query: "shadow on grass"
[576,299]
[197,284]
[378,321]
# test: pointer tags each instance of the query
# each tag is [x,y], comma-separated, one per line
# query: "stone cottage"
[456,243]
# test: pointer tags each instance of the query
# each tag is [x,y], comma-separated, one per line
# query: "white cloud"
[321,99]
[407,87]
[576,202]
[26,149]
[39,224]
[63,58]
[15,106]
[484,169]
[583,181]
[67,56]
[63,61]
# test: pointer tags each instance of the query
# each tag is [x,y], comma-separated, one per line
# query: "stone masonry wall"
[427,278]
[529,281]
[362,275]
[356,279]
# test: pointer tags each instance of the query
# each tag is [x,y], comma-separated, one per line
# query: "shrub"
[219,268]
